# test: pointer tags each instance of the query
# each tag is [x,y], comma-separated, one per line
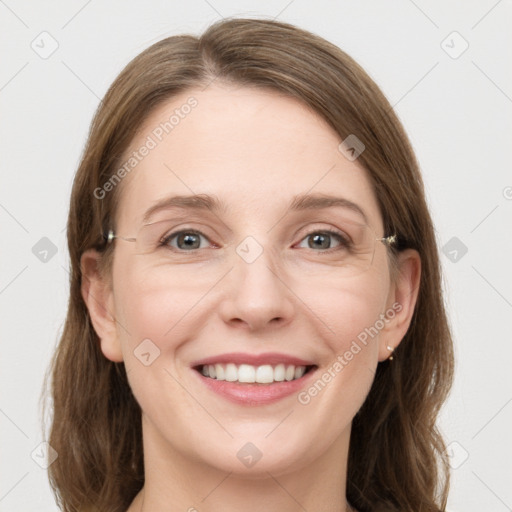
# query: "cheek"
[346,308]
[350,315]
[152,315]
[151,302]
[154,320]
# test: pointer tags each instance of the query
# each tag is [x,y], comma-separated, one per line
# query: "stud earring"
[391,349]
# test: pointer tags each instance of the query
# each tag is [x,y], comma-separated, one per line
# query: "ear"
[99,299]
[401,302]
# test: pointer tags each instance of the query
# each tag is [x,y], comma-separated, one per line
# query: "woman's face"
[252,282]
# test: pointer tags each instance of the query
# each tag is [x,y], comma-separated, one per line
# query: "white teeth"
[219,372]
[279,372]
[265,374]
[299,372]
[231,373]
[246,373]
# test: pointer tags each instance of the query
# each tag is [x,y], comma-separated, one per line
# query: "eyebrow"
[206,202]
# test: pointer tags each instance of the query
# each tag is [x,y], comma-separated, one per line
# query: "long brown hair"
[396,457]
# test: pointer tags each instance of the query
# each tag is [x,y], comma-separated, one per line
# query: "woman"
[256,318]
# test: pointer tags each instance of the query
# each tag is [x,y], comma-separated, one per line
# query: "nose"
[257,296]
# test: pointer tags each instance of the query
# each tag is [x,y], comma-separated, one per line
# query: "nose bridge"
[258,293]
[257,266]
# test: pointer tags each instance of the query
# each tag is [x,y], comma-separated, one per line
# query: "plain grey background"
[445,67]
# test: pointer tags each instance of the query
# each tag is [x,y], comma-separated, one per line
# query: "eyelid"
[314,228]
[184,225]
[189,218]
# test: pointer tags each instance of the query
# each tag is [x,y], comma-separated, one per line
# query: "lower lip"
[256,394]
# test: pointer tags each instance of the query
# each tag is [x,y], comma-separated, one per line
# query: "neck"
[176,482]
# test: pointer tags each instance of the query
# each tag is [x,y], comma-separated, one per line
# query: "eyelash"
[345,243]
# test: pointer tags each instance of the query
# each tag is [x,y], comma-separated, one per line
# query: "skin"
[255,150]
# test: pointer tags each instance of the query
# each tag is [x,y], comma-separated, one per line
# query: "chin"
[254,456]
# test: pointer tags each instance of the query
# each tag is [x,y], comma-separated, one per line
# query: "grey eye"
[185,240]
[323,239]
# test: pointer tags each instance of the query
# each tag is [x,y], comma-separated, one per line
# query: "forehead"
[255,150]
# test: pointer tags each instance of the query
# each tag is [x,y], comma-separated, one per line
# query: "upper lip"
[271,358]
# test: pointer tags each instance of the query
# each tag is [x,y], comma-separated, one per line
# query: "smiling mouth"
[249,374]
